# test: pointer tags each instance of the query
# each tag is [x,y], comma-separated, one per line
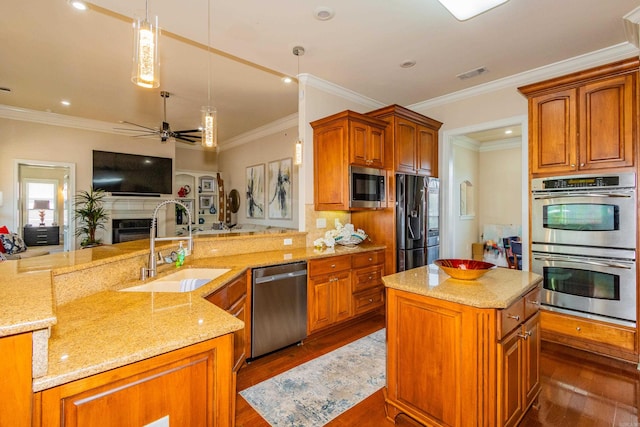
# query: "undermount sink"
[184,280]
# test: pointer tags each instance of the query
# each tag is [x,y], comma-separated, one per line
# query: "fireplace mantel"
[134,207]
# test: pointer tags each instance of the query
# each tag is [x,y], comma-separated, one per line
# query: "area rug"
[314,393]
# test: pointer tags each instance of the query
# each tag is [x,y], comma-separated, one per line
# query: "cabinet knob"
[578,329]
[370,259]
[514,317]
[370,277]
[333,266]
[534,302]
[573,165]
[370,299]
[581,164]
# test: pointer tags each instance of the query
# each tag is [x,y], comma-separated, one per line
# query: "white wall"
[233,164]
[465,228]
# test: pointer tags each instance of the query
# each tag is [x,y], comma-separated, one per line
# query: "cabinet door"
[15,369]
[531,362]
[331,189]
[510,400]
[358,140]
[240,337]
[427,153]
[607,123]
[342,297]
[553,139]
[375,148]
[319,302]
[405,146]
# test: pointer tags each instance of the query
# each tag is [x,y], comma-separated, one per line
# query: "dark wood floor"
[578,389]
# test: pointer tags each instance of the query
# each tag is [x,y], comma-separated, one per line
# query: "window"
[41,197]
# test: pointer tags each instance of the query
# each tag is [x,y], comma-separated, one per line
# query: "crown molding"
[55,119]
[582,62]
[334,89]
[503,144]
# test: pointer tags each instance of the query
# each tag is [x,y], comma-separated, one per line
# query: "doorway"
[474,155]
[44,197]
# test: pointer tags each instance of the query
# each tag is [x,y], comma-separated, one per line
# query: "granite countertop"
[498,288]
[109,329]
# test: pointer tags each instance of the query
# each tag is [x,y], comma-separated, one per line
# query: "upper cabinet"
[340,140]
[412,140]
[584,121]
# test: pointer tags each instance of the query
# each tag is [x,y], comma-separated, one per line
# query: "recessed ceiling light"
[408,63]
[65,102]
[323,13]
[287,80]
[508,132]
[78,4]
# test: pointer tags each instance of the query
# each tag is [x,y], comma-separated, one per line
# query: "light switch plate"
[288,242]
[321,223]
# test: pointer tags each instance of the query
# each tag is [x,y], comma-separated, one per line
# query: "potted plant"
[90,215]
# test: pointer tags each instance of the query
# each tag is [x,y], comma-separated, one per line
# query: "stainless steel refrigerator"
[417,220]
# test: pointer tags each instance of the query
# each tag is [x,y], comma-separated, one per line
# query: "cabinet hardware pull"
[333,266]
[524,336]
[578,329]
[370,299]
[370,277]
[370,259]
[534,302]
[514,317]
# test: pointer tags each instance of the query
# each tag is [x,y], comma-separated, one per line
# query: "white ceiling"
[51,52]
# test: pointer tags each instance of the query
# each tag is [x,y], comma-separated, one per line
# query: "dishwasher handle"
[281,276]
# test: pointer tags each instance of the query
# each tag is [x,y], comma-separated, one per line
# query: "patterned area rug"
[314,393]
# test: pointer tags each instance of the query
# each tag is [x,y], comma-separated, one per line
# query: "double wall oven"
[583,242]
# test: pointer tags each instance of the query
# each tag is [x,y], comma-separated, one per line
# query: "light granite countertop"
[498,288]
[109,329]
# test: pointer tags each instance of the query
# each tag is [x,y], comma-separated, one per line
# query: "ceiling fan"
[191,136]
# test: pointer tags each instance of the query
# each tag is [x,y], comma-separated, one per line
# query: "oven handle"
[604,195]
[598,263]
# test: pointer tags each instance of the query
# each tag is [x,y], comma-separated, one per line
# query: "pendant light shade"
[209,127]
[466,9]
[209,121]
[297,155]
[146,63]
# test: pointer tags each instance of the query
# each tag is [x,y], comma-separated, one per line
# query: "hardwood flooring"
[578,389]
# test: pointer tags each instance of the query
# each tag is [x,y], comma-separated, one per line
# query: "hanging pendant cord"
[209,52]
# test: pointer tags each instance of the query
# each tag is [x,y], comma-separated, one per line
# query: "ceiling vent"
[472,73]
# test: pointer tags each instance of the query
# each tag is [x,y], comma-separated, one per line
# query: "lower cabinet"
[232,297]
[450,364]
[342,287]
[192,386]
[15,371]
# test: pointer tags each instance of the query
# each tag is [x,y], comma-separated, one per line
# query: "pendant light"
[209,113]
[466,9]
[297,156]
[146,61]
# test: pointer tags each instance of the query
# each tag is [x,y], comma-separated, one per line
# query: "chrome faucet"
[150,271]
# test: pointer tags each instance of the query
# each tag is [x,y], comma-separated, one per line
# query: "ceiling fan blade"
[189,131]
[140,126]
[136,130]
[183,139]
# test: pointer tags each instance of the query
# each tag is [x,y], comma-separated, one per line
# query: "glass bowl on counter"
[464,269]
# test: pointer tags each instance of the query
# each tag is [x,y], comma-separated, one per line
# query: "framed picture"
[279,194]
[206,202]
[255,191]
[206,184]
[189,205]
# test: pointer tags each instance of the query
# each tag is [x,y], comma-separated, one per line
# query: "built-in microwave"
[367,187]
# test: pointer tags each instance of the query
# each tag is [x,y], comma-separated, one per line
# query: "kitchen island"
[462,353]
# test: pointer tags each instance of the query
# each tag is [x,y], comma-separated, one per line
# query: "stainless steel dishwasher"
[279,307]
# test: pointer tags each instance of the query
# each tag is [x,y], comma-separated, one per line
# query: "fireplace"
[126,230]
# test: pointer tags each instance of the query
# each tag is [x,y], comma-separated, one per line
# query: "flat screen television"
[132,174]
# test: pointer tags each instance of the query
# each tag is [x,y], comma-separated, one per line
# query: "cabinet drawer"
[532,303]
[589,330]
[219,298]
[368,300]
[236,290]
[368,259]
[328,265]
[509,318]
[367,278]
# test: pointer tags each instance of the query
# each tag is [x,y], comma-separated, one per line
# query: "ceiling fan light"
[146,62]
[465,9]
[209,127]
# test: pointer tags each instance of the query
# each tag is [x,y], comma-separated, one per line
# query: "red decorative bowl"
[464,269]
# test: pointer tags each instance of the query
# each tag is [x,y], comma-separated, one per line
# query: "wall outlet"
[288,242]
[288,257]
[321,223]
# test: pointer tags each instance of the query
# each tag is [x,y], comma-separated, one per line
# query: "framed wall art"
[255,191]
[279,194]
[206,184]
[206,202]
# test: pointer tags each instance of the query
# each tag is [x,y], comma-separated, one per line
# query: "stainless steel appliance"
[590,210]
[279,307]
[367,187]
[590,282]
[417,221]
[583,232]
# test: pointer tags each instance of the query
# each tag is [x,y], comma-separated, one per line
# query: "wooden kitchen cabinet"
[412,140]
[367,289]
[585,121]
[193,386]
[450,364]
[329,296]
[338,141]
[518,359]
[15,371]
[232,297]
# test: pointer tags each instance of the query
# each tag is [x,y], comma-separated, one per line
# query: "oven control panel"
[625,180]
